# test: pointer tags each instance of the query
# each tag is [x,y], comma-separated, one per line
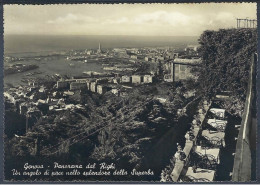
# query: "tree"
[226,58]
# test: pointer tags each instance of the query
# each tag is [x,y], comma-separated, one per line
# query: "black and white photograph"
[133,93]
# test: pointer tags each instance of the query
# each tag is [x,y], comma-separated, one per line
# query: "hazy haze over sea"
[39,43]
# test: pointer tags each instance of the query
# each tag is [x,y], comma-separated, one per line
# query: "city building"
[77,85]
[119,50]
[88,85]
[93,87]
[33,83]
[192,61]
[133,56]
[62,84]
[115,91]
[10,97]
[83,80]
[171,55]
[191,47]
[169,71]
[102,80]
[182,72]
[148,79]
[42,89]
[136,79]
[147,59]
[168,78]
[90,52]
[34,112]
[125,79]
[68,93]
[23,107]
[180,69]
[140,56]
[160,58]
[116,80]
[101,89]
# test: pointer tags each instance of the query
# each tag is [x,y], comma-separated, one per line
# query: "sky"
[124,19]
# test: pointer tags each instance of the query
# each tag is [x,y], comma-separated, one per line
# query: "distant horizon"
[17,43]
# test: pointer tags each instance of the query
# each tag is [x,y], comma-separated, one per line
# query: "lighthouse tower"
[99,48]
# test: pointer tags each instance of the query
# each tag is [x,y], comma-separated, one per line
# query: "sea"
[42,45]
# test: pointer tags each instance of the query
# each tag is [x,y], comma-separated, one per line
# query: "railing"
[179,165]
[242,161]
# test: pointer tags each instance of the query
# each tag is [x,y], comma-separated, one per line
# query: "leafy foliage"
[226,56]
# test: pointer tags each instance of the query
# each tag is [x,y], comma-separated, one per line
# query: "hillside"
[126,128]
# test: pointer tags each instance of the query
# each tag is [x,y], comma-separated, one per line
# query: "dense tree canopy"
[226,57]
